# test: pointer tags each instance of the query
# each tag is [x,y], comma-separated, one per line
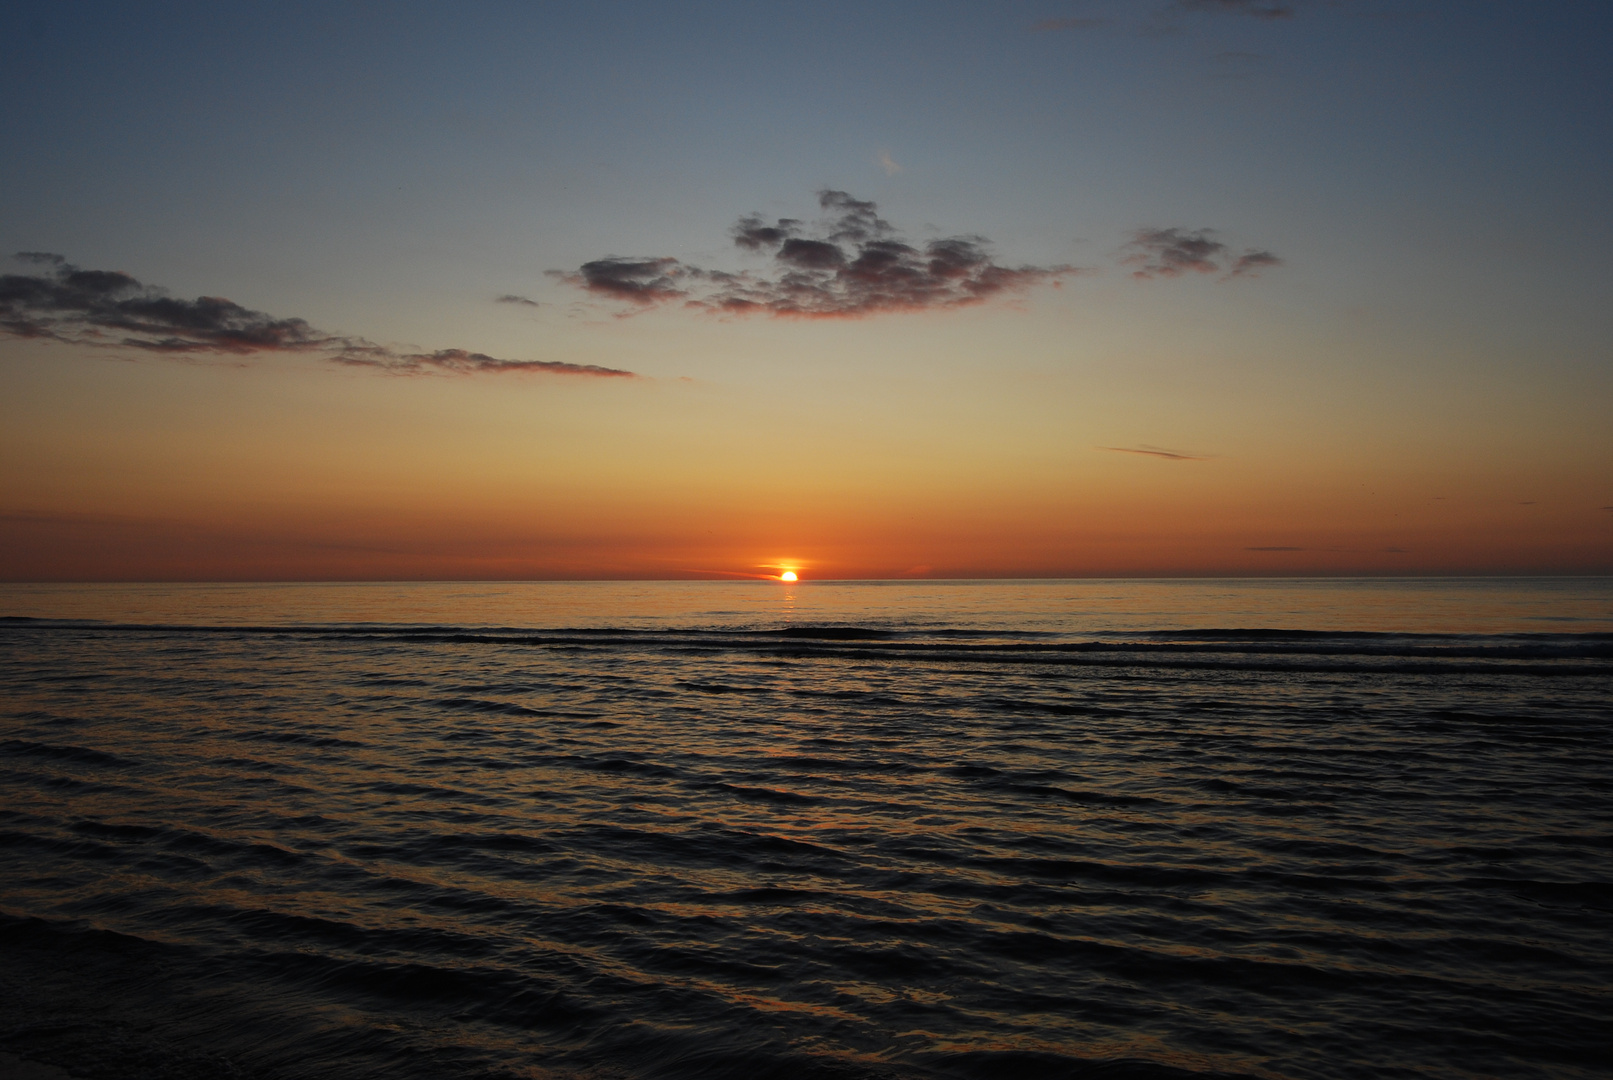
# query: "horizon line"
[765,579]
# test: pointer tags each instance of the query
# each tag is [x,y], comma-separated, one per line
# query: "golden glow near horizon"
[788,575]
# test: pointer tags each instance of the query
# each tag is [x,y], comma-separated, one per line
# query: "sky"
[360,291]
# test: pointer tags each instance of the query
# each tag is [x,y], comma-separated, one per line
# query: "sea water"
[927,829]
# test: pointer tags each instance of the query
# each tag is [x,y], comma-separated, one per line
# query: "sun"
[788,575]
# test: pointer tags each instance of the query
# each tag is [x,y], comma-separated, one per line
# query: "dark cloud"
[110,309]
[642,281]
[460,362]
[1170,252]
[105,307]
[851,264]
[1155,451]
[754,234]
[854,220]
[511,298]
[1256,9]
[1274,548]
[1173,252]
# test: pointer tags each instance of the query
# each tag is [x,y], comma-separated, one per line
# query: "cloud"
[460,362]
[110,309]
[1050,25]
[888,163]
[1175,251]
[106,307]
[511,298]
[642,281]
[1255,9]
[1155,451]
[1274,548]
[754,234]
[850,264]
[1251,262]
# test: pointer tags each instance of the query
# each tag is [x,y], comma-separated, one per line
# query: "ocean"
[1143,829]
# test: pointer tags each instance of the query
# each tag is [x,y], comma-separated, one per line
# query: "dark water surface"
[1054,829]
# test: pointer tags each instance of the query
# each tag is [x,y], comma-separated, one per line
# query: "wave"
[1255,649]
[837,849]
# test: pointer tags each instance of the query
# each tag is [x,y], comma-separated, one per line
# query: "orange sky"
[153,471]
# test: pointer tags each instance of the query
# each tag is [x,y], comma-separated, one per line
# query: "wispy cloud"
[1155,451]
[109,309]
[511,298]
[851,263]
[888,163]
[1176,251]
[1251,262]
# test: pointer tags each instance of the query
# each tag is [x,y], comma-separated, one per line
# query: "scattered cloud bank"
[1176,251]
[110,309]
[849,264]
[1155,451]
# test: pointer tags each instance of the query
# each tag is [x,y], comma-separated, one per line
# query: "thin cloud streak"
[1155,451]
[512,298]
[461,362]
[851,264]
[107,309]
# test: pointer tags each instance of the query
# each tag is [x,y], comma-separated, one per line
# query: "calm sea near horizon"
[1321,828]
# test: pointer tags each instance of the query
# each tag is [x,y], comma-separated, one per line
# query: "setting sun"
[788,575]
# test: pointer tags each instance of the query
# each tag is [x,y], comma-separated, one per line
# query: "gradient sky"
[1204,286]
